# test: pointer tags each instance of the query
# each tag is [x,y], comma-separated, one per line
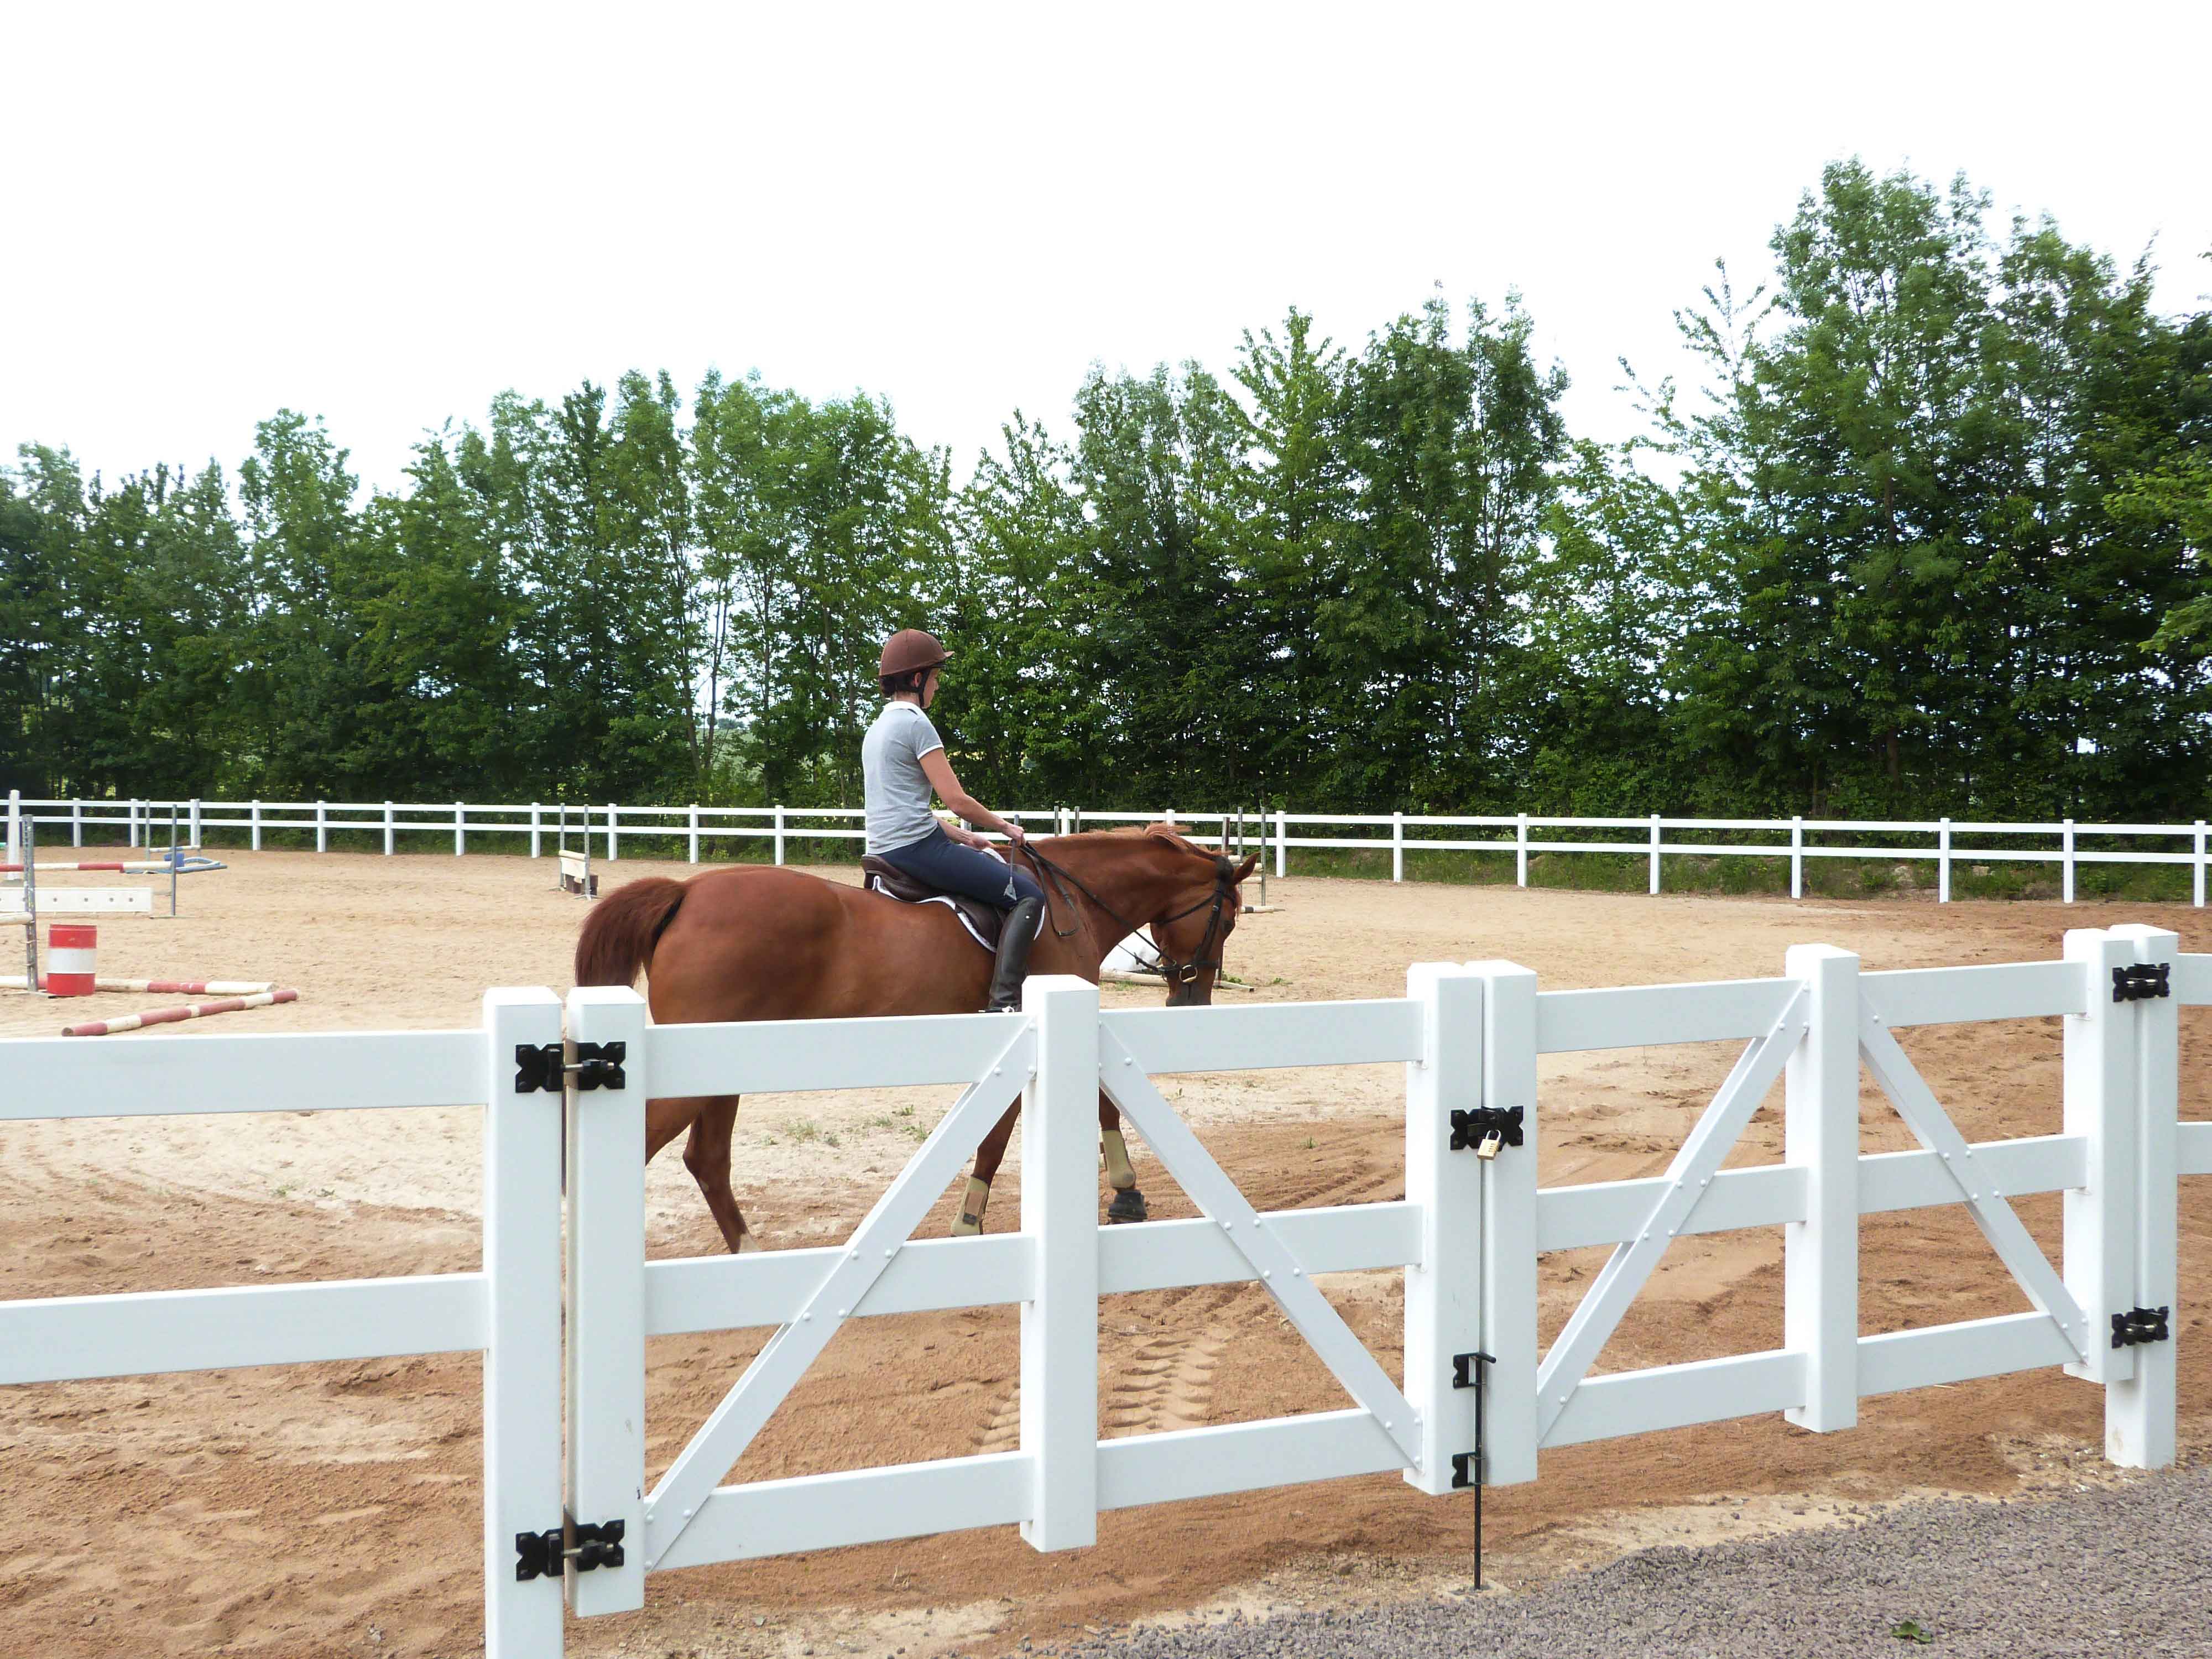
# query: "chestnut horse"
[776,944]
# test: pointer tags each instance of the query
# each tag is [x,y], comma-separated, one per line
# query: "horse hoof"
[1129,1205]
[748,1242]
[967,1225]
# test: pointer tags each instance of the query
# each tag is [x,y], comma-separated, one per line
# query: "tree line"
[1927,535]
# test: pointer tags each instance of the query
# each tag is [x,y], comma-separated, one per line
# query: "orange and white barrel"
[71,946]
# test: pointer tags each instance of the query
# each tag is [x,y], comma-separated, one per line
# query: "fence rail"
[1651,839]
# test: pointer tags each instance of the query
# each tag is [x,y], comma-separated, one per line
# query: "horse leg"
[1129,1203]
[988,1156]
[706,1154]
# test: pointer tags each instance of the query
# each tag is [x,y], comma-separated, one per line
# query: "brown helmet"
[909,650]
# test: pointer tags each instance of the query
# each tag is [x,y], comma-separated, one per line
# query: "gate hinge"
[2140,980]
[1473,1128]
[540,1555]
[544,1065]
[1467,1373]
[1464,1375]
[2140,1325]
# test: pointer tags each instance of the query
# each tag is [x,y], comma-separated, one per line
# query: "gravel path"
[2121,1573]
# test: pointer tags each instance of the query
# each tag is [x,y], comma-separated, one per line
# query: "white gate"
[1468,1235]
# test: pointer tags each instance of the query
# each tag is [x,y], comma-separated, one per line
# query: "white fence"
[1398,834]
[1468,1235]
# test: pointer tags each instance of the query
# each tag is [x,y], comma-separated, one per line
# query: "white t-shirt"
[898,791]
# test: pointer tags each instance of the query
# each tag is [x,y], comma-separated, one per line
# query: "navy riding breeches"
[949,867]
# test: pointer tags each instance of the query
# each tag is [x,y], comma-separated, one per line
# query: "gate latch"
[544,1065]
[2141,980]
[2140,1325]
[1486,1129]
[540,1555]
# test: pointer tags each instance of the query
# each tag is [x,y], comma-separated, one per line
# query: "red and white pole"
[71,948]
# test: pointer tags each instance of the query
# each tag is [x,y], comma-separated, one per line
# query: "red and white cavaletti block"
[71,946]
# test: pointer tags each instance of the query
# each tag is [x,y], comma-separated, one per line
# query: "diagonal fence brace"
[2008,1235]
[722,1439]
[1689,1177]
[1184,1157]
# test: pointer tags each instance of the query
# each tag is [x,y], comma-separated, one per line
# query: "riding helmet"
[909,650]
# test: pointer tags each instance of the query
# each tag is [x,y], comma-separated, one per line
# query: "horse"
[748,944]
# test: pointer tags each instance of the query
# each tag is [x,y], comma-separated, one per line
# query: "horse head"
[1199,912]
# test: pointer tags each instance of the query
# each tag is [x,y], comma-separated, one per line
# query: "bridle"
[1180,975]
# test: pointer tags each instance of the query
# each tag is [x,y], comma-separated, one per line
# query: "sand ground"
[334,1509]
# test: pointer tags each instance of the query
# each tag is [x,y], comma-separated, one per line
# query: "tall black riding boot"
[1013,962]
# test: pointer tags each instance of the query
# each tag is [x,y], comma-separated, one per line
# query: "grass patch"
[1886,875]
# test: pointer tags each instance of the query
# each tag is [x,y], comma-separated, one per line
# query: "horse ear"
[1251,862]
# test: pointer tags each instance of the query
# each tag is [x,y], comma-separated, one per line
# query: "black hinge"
[2140,980]
[2140,1325]
[1471,1129]
[543,1065]
[540,1555]
[1466,1466]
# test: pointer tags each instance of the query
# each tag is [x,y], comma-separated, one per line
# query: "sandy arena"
[335,1509]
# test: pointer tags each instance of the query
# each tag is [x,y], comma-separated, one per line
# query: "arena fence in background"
[704,831]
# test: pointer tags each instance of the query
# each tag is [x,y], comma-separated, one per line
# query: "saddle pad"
[984,922]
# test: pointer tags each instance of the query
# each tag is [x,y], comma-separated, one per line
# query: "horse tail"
[622,928]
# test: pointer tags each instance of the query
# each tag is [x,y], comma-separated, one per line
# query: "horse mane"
[1174,837]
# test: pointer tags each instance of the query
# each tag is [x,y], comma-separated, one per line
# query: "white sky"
[385,215]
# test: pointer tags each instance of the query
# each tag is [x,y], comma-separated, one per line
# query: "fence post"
[1655,853]
[1397,846]
[2066,859]
[14,828]
[614,832]
[695,832]
[1797,858]
[1508,1225]
[536,830]
[2139,1413]
[1060,1214]
[322,826]
[1944,861]
[2100,1216]
[606,1296]
[1520,851]
[1282,843]
[387,828]
[460,830]
[1821,1136]
[522,1334]
[196,821]
[255,816]
[76,836]
[779,835]
[131,824]
[2198,884]
[1443,1300]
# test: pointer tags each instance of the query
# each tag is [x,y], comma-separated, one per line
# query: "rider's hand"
[1014,834]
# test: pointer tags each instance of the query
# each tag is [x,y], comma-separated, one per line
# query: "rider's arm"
[939,771]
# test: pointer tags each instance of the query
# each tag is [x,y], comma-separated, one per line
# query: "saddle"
[984,922]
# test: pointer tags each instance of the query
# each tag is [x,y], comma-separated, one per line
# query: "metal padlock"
[1488,1150]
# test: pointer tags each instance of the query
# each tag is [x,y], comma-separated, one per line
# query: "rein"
[1175,973]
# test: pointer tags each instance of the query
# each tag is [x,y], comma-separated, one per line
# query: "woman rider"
[902,759]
